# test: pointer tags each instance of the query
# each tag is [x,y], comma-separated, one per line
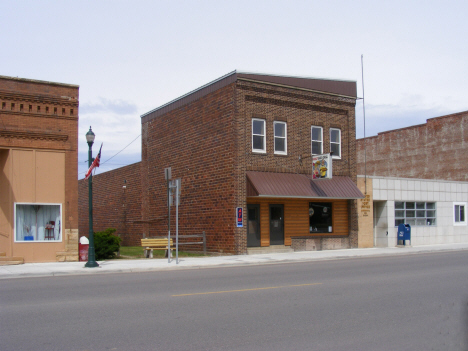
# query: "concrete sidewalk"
[148,265]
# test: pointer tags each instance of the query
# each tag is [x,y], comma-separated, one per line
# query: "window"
[21,107]
[258,135]
[317,140]
[320,217]
[38,222]
[280,132]
[459,213]
[335,142]
[12,106]
[415,213]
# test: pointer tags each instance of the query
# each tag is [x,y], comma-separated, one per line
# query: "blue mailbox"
[404,232]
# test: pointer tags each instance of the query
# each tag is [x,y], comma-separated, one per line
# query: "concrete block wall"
[444,193]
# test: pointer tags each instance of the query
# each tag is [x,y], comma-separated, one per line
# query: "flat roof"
[27,80]
[340,88]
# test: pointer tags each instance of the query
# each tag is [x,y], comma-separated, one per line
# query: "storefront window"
[320,217]
[38,222]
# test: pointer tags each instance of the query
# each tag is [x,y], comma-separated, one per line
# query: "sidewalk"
[148,265]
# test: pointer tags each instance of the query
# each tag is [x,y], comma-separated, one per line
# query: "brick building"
[416,175]
[116,203]
[242,141]
[38,170]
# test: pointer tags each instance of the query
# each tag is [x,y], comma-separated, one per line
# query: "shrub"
[106,244]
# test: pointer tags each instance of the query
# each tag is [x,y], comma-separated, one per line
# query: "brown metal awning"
[269,184]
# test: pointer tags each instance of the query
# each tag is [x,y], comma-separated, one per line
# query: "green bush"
[106,244]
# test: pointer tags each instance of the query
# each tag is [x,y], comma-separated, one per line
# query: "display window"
[38,222]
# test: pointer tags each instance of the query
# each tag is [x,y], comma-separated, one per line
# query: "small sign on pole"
[240,221]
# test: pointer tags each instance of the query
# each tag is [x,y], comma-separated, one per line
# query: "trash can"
[404,233]
[83,248]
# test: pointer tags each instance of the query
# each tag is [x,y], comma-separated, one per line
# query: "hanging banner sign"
[322,166]
[240,222]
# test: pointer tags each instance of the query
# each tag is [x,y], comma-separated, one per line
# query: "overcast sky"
[129,57]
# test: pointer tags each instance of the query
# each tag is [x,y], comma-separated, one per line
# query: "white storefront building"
[435,210]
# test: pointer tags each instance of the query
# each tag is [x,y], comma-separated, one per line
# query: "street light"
[91,254]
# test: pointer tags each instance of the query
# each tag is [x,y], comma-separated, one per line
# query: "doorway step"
[269,249]
[4,260]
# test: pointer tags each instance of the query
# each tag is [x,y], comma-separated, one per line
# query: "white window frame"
[339,143]
[411,213]
[278,152]
[312,140]
[455,222]
[59,226]
[262,151]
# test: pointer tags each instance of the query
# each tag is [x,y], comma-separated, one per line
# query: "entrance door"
[253,225]
[276,225]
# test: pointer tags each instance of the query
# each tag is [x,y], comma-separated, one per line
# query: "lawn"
[132,252]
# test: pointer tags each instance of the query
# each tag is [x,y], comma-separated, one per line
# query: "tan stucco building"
[38,171]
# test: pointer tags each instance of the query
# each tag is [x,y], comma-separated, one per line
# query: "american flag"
[95,164]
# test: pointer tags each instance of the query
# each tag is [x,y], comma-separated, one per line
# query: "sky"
[129,57]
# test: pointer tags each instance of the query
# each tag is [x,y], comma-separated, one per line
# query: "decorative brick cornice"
[336,100]
[297,105]
[38,98]
[11,134]
[42,115]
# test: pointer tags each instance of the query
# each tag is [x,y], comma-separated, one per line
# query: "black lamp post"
[91,254]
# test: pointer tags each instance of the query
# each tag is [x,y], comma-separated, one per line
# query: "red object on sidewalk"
[83,252]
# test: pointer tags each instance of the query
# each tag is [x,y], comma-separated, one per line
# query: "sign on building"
[322,166]
[240,222]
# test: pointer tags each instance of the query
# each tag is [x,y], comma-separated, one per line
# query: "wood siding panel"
[296,217]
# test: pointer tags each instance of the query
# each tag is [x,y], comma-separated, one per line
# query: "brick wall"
[43,115]
[198,142]
[207,143]
[113,205]
[300,110]
[434,150]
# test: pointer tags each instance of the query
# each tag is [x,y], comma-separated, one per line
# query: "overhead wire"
[116,153]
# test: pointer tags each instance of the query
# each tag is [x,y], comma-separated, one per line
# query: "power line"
[119,151]
[115,154]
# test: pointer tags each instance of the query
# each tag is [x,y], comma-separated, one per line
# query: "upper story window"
[459,213]
[335,142]
[258,135]
[317,140]
[280,131]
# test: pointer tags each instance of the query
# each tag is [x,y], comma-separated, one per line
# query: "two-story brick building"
[245,141]
[38,171]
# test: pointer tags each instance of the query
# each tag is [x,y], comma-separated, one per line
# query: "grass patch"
[132,252]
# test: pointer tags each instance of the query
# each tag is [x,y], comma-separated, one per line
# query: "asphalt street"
[414,302]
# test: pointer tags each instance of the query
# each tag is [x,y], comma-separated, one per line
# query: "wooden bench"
[150,244]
